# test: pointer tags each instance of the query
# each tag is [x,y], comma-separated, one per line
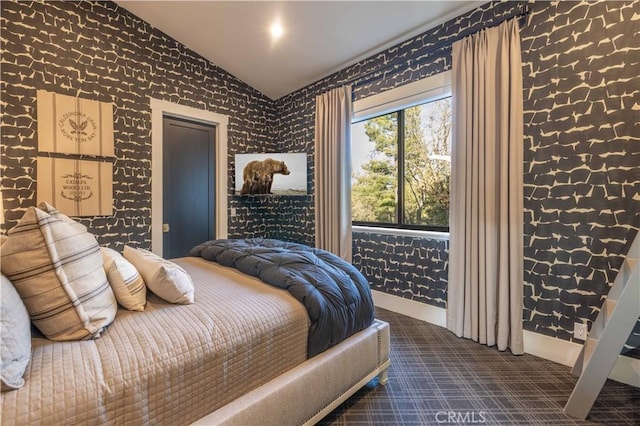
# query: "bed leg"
[383,377]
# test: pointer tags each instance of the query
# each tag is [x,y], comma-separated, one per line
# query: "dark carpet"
[437,378]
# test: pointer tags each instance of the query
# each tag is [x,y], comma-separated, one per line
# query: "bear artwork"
[258,175]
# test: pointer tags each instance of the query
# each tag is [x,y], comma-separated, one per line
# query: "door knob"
[165,227]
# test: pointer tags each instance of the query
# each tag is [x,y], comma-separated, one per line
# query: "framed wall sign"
[71,125]
[76,187]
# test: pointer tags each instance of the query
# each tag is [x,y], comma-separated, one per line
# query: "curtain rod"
[522,11]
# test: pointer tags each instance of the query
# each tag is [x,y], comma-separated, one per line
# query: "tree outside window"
[412,193]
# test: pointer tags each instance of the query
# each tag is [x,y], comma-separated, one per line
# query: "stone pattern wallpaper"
[582,157]
[97,50]
[408,267]
[283,217]
[582,146]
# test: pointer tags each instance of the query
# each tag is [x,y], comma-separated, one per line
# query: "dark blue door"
[188,185]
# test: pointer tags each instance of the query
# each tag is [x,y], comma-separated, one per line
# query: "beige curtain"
[333,171]
[486,224]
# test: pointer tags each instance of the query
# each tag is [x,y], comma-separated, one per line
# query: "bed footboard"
[310,391]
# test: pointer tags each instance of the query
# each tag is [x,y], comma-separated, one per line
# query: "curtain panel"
[333,171]
[486,221]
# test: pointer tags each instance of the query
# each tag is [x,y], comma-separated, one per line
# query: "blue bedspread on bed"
[336,295]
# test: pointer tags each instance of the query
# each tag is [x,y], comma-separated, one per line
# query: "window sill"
[431,235]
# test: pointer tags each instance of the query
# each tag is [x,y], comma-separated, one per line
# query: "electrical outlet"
[580,331]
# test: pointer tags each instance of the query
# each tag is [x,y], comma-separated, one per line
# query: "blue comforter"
[336,295]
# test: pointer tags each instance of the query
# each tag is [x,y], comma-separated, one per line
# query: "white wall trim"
[415,233]
[411,308]
[428,89]
[626,370]
[158,109]
[557,350]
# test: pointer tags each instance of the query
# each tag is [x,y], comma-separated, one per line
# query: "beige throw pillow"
[125,281]
[166,279]
[57,270]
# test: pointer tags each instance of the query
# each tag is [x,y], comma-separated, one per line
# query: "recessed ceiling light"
[276,30]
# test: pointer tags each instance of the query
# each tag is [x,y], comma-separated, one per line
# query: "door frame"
[160,108]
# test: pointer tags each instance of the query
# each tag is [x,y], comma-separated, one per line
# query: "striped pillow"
[125,281]
[48,208]
[57,270]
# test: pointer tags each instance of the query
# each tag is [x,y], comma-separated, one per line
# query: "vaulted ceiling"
[318,37]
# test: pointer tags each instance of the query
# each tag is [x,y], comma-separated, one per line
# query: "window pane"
[374,180]
[427,163]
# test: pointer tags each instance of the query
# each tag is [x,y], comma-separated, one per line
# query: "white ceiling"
[320,37]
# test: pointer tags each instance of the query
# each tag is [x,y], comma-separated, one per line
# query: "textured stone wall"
[97,50]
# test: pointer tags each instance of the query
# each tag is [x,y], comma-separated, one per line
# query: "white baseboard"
[411,308]
[556,350]
[626,370]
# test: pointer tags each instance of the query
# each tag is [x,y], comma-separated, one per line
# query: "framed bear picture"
[271,173]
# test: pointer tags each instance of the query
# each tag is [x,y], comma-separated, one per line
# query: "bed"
[238,355]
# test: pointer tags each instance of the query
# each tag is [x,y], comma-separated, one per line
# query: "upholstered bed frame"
[310,391]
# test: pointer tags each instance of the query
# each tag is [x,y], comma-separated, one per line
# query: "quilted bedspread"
[336,295]
[169,364]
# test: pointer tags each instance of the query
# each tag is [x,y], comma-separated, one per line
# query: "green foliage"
[375,190]
[427,133]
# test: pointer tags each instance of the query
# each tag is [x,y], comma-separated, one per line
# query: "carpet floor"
[437,378]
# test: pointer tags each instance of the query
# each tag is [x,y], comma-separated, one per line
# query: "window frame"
[430,89]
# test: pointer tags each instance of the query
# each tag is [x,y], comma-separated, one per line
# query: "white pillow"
[125,281]
[56,267]
[166,279]
[15,337]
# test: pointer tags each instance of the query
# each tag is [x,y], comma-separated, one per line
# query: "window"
[402,165]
